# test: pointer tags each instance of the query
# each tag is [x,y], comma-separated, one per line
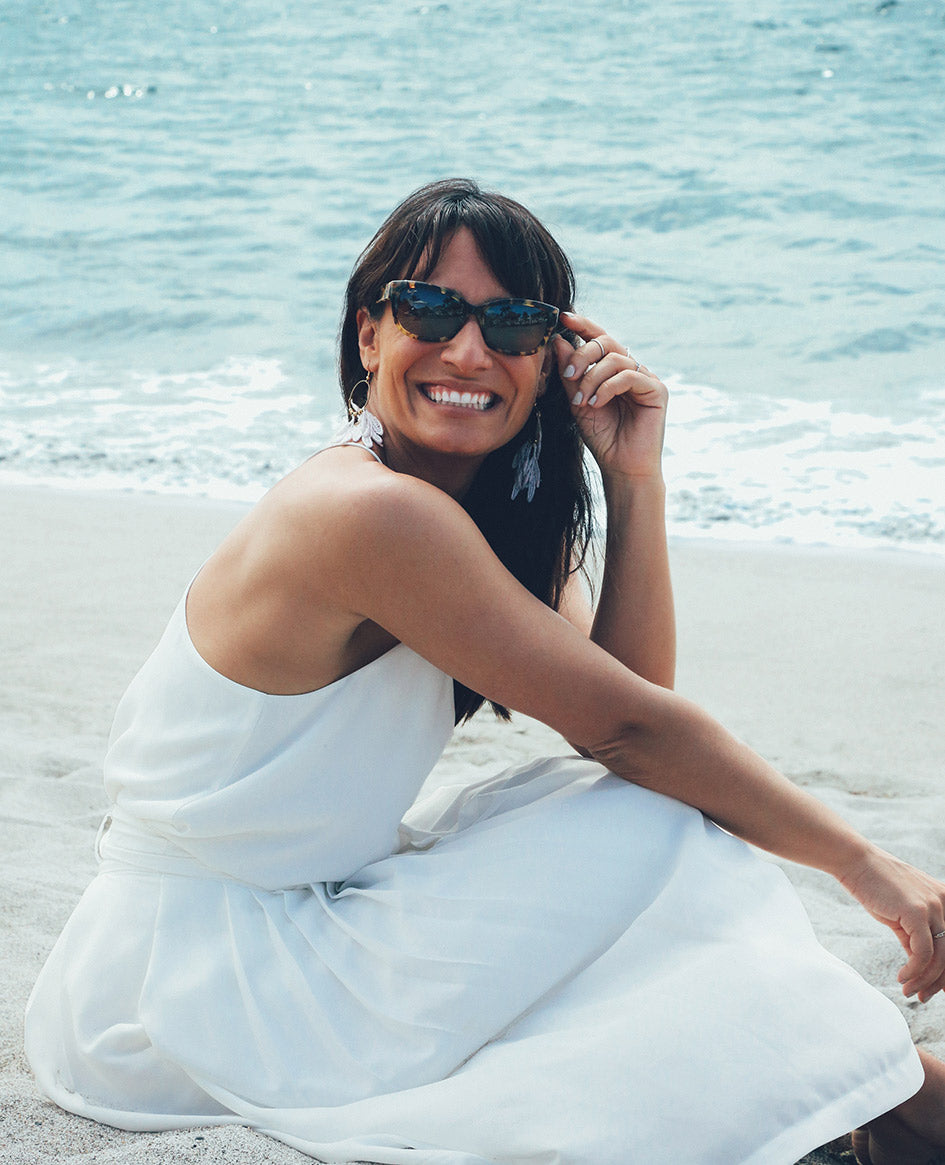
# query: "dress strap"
[359,444]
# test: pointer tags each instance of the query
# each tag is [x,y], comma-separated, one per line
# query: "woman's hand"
[912,905]
[618,404]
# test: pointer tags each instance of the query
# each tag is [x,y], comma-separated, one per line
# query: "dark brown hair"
[542,541]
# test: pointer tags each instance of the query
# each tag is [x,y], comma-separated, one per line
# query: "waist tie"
[124,842]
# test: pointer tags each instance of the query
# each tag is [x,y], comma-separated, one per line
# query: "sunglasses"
[514,327]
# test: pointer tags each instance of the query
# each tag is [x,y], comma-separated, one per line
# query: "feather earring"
[362,427]
[525,463]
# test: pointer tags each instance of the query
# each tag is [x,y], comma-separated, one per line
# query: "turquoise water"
[752,194]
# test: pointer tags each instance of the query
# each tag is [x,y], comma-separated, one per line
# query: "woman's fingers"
[912,905]
[602,369]
[575,362]
[924,972]
[616,376]
[611,377]
[926,993]
[922,934]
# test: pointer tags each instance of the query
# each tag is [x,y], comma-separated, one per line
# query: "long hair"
[540,542]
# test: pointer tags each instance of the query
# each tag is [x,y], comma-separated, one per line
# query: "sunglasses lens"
[516,328]
[429,313]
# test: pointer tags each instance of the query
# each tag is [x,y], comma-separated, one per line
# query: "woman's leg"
[912,1133]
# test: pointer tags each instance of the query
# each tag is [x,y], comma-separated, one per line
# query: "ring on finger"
[596,340]
[941,934]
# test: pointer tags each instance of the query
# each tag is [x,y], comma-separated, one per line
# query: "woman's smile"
[444,394]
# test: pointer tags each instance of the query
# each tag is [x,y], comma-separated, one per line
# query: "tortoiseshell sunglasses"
[514,327]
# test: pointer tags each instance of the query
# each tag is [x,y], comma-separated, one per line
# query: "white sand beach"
[829,663]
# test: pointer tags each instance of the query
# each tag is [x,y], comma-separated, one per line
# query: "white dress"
[552,966]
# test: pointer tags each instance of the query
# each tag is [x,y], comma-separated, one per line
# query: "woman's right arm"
[407,557]
[623,430]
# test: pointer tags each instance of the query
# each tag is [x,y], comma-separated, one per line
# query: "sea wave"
[770,469]
[806,472]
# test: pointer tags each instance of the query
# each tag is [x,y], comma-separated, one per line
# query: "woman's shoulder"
[278,606]
[339,511]
[345,486]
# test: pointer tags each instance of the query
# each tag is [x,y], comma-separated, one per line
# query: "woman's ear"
[368,339]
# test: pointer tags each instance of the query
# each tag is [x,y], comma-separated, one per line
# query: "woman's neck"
[450,472]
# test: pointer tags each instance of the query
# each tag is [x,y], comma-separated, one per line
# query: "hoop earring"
[354,409]
[525,463]
[362,427]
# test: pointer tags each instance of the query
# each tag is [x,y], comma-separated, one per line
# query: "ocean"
[752,193]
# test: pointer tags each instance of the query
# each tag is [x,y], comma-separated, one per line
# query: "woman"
[564,963]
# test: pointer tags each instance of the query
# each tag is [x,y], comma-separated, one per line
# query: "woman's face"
[413,379]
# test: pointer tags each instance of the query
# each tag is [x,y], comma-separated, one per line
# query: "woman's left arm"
[620,410]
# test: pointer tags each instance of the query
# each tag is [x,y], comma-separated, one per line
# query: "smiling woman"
[415,379]
[295,941]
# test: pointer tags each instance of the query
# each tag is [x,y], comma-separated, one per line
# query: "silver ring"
[599,345]
[941,934]
[637,369]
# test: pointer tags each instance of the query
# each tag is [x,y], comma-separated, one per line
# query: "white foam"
[759,469]
[789,469]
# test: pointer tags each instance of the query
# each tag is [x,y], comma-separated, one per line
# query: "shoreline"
[721,533]
[828,661]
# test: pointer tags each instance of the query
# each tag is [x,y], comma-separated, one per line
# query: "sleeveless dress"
[550,966]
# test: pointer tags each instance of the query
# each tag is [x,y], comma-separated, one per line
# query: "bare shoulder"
[347,496]
[342,517]
[346,474]
[284,604]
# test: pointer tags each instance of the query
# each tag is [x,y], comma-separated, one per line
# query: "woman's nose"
[467,349]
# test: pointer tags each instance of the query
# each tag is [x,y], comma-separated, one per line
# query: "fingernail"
[577,398]
[593,400]
[569,372]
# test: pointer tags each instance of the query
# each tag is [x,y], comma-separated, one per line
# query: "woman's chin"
[451,433]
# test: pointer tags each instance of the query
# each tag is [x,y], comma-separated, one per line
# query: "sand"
[831,664]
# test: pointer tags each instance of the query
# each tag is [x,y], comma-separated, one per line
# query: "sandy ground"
[830,664]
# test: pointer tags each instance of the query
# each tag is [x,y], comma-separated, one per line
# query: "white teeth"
[468,400]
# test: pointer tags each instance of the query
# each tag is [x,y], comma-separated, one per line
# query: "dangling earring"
[354,409]
[525,463]
[362,428]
